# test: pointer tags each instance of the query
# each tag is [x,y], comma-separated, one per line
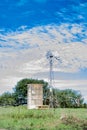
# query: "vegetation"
[19,97]
[7,99]
[15,116]
[20,118]
[68,98]
[61,98]
[20,90]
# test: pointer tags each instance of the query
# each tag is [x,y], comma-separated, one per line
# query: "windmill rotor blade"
[49,54]
[58,59]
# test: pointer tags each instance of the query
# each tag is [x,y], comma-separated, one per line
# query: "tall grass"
[20,118]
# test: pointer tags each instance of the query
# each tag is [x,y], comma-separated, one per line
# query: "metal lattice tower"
[51,57]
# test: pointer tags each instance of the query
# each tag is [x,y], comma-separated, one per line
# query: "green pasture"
[20,118]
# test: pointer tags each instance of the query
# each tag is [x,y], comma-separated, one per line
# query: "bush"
[75,122]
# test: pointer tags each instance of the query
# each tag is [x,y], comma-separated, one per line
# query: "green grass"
[20,118]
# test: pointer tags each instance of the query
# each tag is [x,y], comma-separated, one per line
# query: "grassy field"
[20,118]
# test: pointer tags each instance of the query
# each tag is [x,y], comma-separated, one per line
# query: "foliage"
[20,90]
[68,98]
[61,98]
[7,99]
[78,123]
[20,118]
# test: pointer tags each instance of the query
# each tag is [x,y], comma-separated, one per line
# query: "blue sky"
[30,28]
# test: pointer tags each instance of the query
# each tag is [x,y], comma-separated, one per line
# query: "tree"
[69,98]
[20,90]
[63,98]
[7,99]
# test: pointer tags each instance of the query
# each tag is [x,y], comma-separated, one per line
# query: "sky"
[31,28]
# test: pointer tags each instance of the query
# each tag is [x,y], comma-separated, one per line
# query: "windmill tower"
[51,58]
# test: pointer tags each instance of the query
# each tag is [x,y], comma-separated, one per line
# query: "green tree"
[69,98]
[20,90]
[7,99]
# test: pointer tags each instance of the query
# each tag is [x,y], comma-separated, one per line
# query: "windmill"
[51,58]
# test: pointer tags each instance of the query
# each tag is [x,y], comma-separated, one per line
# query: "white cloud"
[8,83]
[23,52]
[73,83]
[41,39]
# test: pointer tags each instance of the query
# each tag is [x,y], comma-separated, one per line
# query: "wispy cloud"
[23,52]
[75,12]
[8,83]
[61,39]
